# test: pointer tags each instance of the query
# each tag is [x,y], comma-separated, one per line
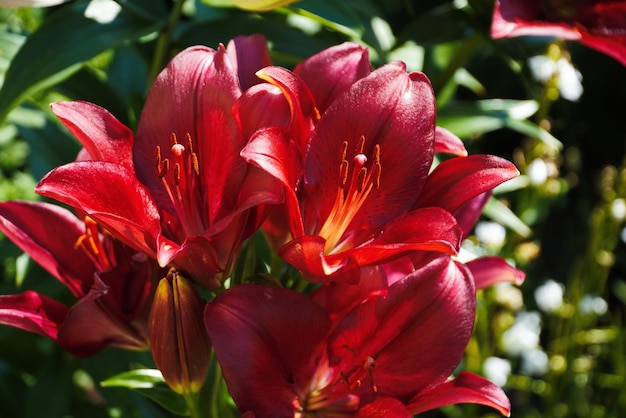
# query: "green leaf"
[149,383]
[471,119]
[54,52]
[500,213]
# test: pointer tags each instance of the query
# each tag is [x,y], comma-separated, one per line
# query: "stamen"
[91,243]
[181,183]
[354,185]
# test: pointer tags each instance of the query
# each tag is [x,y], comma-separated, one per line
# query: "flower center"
[180,174]
[333,394]
[356,181]
[97,249]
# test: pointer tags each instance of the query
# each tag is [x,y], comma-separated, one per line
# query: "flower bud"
[180,345]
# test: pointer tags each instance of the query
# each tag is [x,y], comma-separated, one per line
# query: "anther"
[361,145]
[177,174]
[362,179]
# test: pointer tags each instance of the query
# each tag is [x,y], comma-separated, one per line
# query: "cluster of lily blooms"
[369,312]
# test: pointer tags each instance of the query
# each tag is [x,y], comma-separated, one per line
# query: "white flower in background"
[102,11]
[537,171]
[510,296]
[490,233]
[618,209]
[497,370]
[523,335]
[30,3]
[568,79]
[535,362]
[549,296]
[593,304]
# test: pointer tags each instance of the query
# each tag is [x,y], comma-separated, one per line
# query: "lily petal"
[431,311]
[448,143]
[333,70]
[457,180]
[104,137]
[48,234]
[120,203]
[466,388]
[490,270]
[248,54]
[255,341]
[32,312]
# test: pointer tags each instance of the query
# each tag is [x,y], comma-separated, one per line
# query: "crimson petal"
[466,388]
[247,55]
[48,234]
[262,350]
[333,70]
[457,180]
[32,312]
[490,270]
[104,137]
[109,194]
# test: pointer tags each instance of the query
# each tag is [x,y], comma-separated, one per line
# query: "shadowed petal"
[32,312]
[48,234]
[255,341]
[466,388]
[248,54]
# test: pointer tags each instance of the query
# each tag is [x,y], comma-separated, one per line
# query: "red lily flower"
[179,190]
[599,24]
[390,356]
[111,281]
[352,182]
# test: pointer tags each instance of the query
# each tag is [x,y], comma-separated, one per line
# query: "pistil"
[356,181]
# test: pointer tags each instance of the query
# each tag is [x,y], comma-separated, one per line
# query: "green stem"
[193,403]
[163,41]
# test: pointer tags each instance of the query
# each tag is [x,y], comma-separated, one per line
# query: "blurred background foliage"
[556,344]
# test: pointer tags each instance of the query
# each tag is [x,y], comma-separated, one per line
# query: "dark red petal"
[457,180]
[425,229]
[104,137]
[333,70]
[384,408]
[466,388]
[391,109]
[490,270]
[469,212]
[614,46]
[32,312]
[416,335]
[304,112]
[265,340]
[109,194]
[338,299]
[260,106]
[273,151]
[48,234]
[194,95]
[522,17]
[248,54]
[90,327]
[448,143]
[306,253]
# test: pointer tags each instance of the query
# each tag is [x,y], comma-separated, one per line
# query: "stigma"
[179,172]
[358,176]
